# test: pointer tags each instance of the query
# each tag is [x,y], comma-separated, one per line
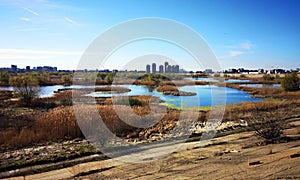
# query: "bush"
[124,101]
[135,102]
[243,76]
[109,78]
[268,77]
[66,102]
[66,80]
[290,82]
[269,125]
[4,77]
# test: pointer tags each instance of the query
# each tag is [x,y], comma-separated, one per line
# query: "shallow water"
[207,95]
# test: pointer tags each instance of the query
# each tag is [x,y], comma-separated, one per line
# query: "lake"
[207,95]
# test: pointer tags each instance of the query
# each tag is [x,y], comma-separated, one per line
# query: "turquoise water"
[206,95]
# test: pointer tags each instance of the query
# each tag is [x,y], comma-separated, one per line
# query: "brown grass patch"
[267,92]
[248,110]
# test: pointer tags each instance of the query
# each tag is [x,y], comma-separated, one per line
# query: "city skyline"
[166,68]
[250,34]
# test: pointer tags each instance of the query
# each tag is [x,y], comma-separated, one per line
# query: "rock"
[254,163]
[295,155]
[7,156]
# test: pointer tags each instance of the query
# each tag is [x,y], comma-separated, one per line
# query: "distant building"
[166,67]
[208,71]
[27,68]
[148,68]
[39,69]
[232,71]
[48,69]
[253,72]
[153,68]
[161,69]
[261,71]
[169,68]
[14,68]
[176,69]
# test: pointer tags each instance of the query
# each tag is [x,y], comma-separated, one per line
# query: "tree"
[26,88]
[4,77]
[290,82]
[110,78]
[66,79]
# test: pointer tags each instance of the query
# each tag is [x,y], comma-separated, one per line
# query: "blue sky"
[241,33]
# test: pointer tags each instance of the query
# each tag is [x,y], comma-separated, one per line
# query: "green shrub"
[4,77]
[243,76]
[217,75]
[135,102]
[290,82]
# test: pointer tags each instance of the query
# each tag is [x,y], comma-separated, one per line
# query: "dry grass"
[5,94]
[167,88]
[248,110]
[202,82]
[60,123]
[267,92]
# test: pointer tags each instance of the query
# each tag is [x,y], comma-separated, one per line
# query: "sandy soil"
[236,156]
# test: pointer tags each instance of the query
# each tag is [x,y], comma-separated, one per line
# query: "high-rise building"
[166,67]
[169,68]
[161,69]
[148,68]
[176,69]
[173,69]
[153,68]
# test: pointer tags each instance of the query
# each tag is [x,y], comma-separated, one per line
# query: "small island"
[173,91]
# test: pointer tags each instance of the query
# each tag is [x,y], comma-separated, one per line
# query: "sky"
[242,33]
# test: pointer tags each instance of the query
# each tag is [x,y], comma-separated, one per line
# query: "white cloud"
[246,45]
[71,21]
[235,53]
[25,19]
[31,11]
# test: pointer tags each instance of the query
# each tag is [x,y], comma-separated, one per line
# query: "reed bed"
[60,123]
